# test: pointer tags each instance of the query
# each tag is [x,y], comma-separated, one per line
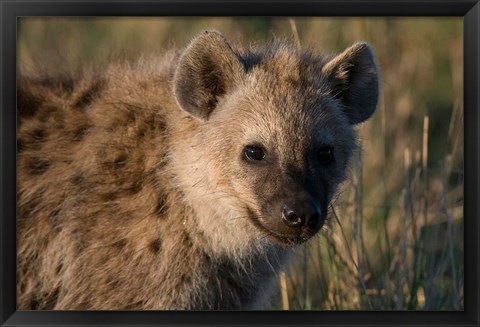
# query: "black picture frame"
[10,10]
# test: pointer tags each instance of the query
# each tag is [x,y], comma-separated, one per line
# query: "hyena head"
[276,132]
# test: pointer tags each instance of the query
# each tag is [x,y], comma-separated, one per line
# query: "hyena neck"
[231,279]
[232,282]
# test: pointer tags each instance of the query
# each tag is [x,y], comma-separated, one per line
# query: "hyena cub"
[183,182]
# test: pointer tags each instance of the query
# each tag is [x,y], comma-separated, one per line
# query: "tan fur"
[126,201]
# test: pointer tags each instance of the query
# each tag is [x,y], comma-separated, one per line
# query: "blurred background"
[394,237]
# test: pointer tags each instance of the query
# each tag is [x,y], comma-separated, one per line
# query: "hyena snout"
[302,214]
[295,220]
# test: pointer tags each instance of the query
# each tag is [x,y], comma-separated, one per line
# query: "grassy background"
[394,240]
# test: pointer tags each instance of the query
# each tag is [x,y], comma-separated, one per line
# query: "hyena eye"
[254,153]
[325,155]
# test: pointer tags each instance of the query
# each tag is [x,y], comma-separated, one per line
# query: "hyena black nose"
[298,215]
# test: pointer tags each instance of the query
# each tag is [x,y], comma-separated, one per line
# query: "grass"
[394,238]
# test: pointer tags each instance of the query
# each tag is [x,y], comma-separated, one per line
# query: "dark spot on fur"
[37,166]
[153,124]
[30,90]
[22,285]
[27,103]
[120,160]
[50,299]
[87,97]
[141,133]
[294,82]
[46,301]
[115,160]
[20,145]
[82,245]
[31,138]
[136,187]
[33,304]
[163,162]
[156,246]
[77,179]
[81,132]
[58,269]
[38,134]
[125,189]
[152,178]
[29,207]
[60,83]
[110,196]
[120,244]
[159,122]
[53,219]
[130,117]
[186,240]
[161,207]
[33,256]
[185,280]
[113,283]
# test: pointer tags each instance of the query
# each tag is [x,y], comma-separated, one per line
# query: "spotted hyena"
[181,182]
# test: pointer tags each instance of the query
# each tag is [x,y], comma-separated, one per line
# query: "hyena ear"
[353,76]
[207,69]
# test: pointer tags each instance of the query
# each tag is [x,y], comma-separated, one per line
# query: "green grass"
[394,238]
